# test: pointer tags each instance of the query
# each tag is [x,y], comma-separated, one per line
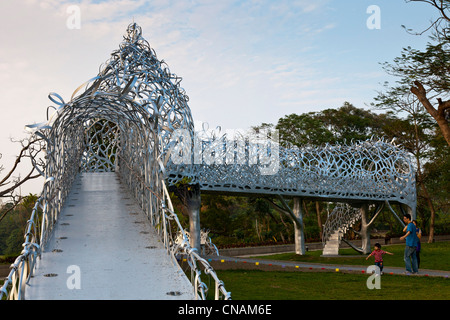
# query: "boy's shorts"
[379,264]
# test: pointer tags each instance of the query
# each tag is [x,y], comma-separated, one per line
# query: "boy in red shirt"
[378,254]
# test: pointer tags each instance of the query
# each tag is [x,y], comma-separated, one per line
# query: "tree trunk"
[433,214]
[439,115]
[319,220]
[421,183]
[286,227]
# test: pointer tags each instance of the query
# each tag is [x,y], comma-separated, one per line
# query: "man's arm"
[404,237]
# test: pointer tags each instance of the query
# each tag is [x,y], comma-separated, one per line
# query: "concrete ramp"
[103,247]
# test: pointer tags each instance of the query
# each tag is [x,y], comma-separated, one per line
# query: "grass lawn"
[285,285]
[434,256]
[297,285]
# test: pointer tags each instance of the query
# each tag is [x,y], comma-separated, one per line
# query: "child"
[378,254]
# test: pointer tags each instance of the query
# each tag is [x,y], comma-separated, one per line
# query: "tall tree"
[414,133]
[426,72]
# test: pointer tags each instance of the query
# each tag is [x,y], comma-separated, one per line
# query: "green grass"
[434,256]
[284,285]
[297,285]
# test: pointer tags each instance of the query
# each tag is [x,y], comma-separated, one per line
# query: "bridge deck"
[106,235]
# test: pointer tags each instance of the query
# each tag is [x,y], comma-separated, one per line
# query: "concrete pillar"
[365,229]
[412,212]
[193,204]
[298,227]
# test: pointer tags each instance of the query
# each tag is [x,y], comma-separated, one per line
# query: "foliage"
[304,129]
[425,73]
[329,126]
[12,227]
[243,220]
[424,131]
[430,66]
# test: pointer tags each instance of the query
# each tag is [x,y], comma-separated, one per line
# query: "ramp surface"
[103,247]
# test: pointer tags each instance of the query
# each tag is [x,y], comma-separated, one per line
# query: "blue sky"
[242,62]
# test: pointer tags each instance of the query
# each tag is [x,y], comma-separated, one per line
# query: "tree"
[425,75]
[32,148]
[329,126]
[440,25]
[301,130]
[426,72]
[414,133]
[436,177]
[13,226]
[351,123]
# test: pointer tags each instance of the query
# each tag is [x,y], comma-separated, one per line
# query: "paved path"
[247,262]
[104,237]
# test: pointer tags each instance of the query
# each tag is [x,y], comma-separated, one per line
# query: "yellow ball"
[337,269]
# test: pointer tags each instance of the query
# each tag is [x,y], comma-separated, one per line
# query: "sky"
[243,63]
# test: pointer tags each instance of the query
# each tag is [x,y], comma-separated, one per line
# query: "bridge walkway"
[103,247]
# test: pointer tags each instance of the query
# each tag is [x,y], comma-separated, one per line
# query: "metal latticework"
[340,220]
[133,118]
[102,143]
[371,170]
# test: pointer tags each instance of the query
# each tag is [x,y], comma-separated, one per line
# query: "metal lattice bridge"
[104,226]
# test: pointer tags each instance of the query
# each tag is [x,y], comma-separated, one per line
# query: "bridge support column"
[365,229]
[193,204]
[296,214]
[412,212]
[189,195]
[298,227]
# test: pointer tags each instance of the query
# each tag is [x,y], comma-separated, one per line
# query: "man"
[411,244]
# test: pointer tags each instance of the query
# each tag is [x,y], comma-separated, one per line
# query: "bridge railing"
[164,224]
[194,260]
[22,269]
[341,217]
